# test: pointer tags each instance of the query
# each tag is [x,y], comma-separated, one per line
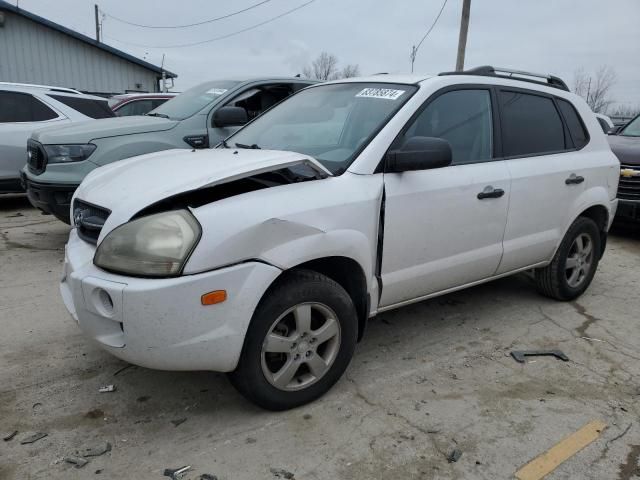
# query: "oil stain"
[631,468]
[590,319]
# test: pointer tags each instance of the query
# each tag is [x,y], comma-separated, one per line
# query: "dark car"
[626,145]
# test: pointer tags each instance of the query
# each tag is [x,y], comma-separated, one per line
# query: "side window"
[575,124]
[530,124]
[463,118]
[136,107]
[87,106]
[22,107]
[604,125]
[257,100]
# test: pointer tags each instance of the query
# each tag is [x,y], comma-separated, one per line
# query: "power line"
[189,24]
[414,49]
[222,37]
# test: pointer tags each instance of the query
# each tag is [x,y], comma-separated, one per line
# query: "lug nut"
[293,346]
[297,356]
[308,354]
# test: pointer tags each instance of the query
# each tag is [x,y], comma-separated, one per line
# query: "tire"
[556,280]
[262,372]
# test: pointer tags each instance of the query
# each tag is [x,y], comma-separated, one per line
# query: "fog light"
[103,302]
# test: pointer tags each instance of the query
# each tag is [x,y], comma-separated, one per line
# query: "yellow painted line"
[561,451]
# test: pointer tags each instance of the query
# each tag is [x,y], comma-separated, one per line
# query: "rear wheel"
[300,341]
[574,265]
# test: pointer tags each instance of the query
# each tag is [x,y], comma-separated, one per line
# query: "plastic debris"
[454,455]
[178,421]
[107,388]
[77,461]
[33,438]
[280,472]
[96,450]
[9,436]
[207,476]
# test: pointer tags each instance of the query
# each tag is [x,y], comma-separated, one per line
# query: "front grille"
[629,186]
[89,220]
[36,157]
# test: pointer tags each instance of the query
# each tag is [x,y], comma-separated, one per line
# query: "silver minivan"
[201,117]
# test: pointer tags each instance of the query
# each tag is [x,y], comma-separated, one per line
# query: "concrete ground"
[426,379]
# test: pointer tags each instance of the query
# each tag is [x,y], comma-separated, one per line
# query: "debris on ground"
[127,367]
[250,440]
[178,421]
[207,476]
[519,355]
[96,450]
[282,473]
[454,455]
[107,388]
[176,473]
[33,438]
[9,436]
[78,462]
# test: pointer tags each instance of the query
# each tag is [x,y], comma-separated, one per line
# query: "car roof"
[127,96]
[412,79]
[42,90]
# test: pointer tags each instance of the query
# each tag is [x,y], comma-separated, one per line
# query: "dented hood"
[128,186]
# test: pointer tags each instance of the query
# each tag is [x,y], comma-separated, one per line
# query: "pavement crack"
[589,319]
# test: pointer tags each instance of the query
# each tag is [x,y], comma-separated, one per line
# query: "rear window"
[87,106]
[531,125]
[575,124]
[22,107]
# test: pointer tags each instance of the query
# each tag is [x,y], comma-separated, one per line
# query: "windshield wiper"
[250,147]
[155,114]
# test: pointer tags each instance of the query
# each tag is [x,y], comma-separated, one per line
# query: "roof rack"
[46,87]
[489,71]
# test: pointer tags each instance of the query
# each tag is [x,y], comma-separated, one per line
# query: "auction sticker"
[386,93]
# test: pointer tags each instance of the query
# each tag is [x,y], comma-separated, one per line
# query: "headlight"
[154,246]
[68,153]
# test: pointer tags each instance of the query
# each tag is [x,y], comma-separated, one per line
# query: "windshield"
[331,123]
[193,100]
[632,129]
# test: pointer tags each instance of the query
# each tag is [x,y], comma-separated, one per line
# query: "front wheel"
[574,264]
[299,343]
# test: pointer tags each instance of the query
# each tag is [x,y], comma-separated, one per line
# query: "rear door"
[546,169]
[439,233]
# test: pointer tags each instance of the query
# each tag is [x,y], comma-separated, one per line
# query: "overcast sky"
[554,36]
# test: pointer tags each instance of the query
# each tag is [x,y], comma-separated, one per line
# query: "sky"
[546,36]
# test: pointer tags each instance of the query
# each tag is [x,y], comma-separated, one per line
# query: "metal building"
[36,50]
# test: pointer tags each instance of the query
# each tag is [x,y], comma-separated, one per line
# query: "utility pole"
[97,15]
[462,39]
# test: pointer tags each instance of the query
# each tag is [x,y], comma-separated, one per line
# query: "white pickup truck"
[266,256]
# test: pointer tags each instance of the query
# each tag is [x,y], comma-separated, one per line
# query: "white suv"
[25,108]
[266,256]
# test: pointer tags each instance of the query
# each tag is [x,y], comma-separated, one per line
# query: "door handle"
[490,192]
[574,179]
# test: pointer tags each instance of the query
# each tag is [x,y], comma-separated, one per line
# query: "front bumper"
[50,197]
[628,210]
[160,323]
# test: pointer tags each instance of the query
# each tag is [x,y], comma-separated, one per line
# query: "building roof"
[4,6]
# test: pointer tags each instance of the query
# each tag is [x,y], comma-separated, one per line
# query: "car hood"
[127,187]
[85,132]
[627,149]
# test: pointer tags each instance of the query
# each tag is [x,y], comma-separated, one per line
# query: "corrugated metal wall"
[33,53]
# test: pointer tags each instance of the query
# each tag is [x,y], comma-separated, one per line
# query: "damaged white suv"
[266,256]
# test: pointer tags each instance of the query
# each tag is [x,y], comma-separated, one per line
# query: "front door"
[444,227]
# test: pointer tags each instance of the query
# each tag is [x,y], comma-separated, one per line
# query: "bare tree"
[350,71]
[595,89]
[325,67]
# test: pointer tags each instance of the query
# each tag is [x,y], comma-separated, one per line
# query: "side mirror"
[229,117]
[615,130]
[419,153]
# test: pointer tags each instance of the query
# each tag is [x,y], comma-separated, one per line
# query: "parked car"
[137,103]
[605,122]
[266,256]
[626,145]
[25,108]
[189,120]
